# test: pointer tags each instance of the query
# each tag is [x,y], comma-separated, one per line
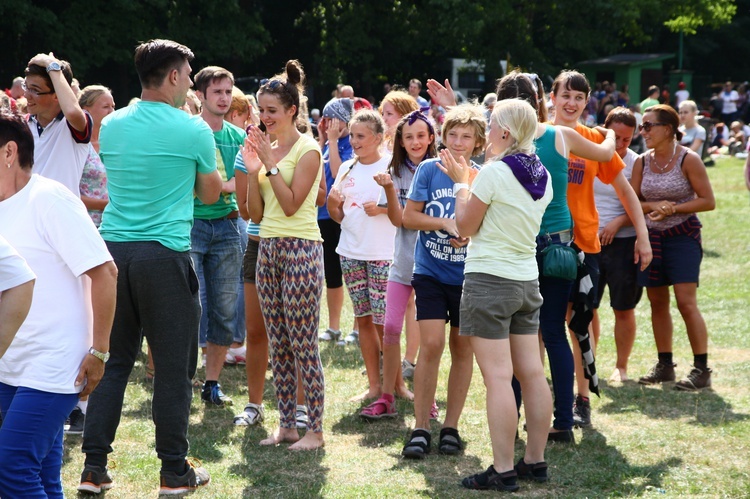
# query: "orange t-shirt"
[581,173]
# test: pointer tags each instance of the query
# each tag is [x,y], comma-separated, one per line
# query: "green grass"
[646,441]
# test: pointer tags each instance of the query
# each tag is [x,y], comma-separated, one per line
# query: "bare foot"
[370,394]
[620,375]
[281,435]
[310,441]
[404,393]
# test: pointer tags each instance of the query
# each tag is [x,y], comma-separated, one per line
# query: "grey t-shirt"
[402,266]
[690,134]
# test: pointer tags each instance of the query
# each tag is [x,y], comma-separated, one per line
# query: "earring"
[8,165]
[505,135]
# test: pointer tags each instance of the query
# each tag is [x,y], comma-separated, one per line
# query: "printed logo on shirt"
[438,241]
[576,168]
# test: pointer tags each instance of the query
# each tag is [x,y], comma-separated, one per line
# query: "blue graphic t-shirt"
[345,153]
[433,254]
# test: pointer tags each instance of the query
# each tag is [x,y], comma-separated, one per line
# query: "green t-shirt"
[228,142]
[153,152]
[647,103]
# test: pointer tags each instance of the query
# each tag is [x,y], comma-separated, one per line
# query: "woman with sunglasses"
[282,186]
[672,184]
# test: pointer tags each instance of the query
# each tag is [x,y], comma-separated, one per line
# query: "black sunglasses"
[647,125]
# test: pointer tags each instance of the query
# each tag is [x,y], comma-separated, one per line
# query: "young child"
[414,142]
[366,243]
[438,277]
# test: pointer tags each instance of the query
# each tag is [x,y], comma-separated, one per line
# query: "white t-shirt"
[60,152]
[14,270]
[52,230]
[680,96]
[505,245]
[608,204]
[730,101]
[363,237]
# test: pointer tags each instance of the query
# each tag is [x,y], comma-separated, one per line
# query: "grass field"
[645,441]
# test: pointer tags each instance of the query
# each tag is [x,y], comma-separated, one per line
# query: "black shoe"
[581,412]
[565,436]
[418,445]
[94,480]
[450,442]
[75,422]
[174,484]
[492,480]
[211,394]
[536,471]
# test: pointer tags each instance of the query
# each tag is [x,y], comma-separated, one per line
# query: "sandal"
[381,408]
[418,445]
[434,413]
[492,480]
[450,442]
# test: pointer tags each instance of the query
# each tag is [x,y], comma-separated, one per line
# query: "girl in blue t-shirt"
[414,142]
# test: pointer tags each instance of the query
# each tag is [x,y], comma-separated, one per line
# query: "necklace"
[662,168]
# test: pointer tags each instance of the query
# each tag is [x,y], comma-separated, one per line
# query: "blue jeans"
[157,297]
[31,441]
[239,327]
[215,250]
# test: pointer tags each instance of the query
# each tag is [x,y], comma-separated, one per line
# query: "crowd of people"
[209,223]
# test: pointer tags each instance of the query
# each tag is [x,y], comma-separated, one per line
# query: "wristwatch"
[272,171]
[104,357]
[54,66]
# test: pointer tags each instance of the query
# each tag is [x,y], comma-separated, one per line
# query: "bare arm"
[394,210]
[14,307]
[414,218]
[208,186]
[335,131]
[697,146]
[94,204]
[470,210]
[240,183]
[696,173]
[253,200]
[584,148]
[335,205]
[632,205]
[65,96]
[229,186]
[103,299]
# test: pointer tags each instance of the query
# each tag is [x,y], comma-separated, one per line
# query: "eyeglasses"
[647,126]
[34,92]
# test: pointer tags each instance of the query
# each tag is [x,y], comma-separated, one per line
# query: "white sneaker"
[302,418]
[251,415]
[351,339]
[330,335]
[236,356]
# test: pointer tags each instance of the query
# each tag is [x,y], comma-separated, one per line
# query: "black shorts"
[435,300]
[330,231]
[249,261]
[617,270]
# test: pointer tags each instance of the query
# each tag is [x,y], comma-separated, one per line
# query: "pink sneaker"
[236,356]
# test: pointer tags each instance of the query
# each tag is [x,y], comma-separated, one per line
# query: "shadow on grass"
[595,468]
[376,434]
[443,474]
[706,408]
[278,472]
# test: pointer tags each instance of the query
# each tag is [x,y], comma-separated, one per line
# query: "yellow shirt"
[304,223]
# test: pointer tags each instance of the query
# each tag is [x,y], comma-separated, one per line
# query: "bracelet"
[458,186]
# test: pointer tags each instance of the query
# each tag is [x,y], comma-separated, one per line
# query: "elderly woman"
[40,385]
[502,214]
[673,186]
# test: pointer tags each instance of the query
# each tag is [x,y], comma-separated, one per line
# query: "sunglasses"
[647,126]
[272,84]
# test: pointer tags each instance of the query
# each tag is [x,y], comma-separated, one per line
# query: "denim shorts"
[681,258]
[435,300]
[493,307]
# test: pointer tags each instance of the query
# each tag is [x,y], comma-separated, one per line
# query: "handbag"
[561,261]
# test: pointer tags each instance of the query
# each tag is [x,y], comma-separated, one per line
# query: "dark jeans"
[157,292]
[555,293]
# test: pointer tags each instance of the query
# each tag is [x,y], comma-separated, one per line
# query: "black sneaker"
[173,484]
[581,412]
[94,480]
[660,373]
[74,423]
[696,380]
[418,445]
[492,480]
[536,471]
[212,395]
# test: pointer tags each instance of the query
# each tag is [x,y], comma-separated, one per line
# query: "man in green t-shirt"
[651,100]
[215,236]
[158,157]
